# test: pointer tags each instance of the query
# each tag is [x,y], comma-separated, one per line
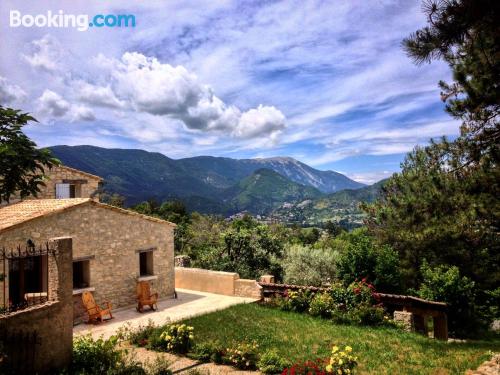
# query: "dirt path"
[491,367]
[182,365]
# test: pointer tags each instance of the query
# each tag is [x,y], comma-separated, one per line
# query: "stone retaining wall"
[218,282]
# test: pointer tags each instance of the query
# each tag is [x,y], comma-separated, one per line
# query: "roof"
[79,171]
[19,213]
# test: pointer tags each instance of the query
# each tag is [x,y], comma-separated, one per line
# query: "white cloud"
[260,120]
[160,89]
[51,104]
[45,54]
[369,177]
[82,113]
[97,95]
[10,93]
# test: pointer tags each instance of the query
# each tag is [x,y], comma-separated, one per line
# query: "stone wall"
[247,288]
[52,321]
[56,175]
[110,240]
[218,282]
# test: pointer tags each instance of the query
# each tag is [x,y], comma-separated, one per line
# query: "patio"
[188,304]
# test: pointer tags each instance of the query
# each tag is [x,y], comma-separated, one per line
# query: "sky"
[325,82]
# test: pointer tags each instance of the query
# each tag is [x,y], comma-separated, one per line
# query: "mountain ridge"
[208,184]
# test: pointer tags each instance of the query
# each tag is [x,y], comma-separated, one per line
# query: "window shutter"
[62,191]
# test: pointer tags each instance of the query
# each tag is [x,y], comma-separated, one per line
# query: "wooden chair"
[145,297]
[95,312]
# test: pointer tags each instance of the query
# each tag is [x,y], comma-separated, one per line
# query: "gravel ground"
[491,367]
[182,365]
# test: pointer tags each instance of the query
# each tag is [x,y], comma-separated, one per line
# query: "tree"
[465,34]
[363,258]
[22,164]
[444,204]
[427,212]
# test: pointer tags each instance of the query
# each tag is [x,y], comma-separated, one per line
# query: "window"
[146,263]
[64,191]
[81,274]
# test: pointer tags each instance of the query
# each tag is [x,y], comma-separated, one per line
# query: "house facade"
[113,248]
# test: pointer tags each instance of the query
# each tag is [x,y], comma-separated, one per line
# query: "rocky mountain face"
[207,184]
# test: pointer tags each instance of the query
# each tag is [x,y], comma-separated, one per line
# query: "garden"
[272,339]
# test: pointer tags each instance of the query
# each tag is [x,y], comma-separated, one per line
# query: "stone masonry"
[52,321]
[87,184]
[110,239]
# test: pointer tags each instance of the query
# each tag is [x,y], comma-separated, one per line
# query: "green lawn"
[299,337]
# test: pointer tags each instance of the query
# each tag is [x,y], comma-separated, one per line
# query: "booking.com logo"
[79,21]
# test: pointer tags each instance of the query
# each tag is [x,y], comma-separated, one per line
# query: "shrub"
[343,297]
[271,363]
[297,301]
[364,258]
[367,315]
[364,293]
[141,336]
[444,284]
[243,356]
[303,265]
[208,351]
[176,338]
[307,368]
[341,362]
[95,356]
[322,305]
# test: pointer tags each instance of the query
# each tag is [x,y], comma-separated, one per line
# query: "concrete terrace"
[189,303]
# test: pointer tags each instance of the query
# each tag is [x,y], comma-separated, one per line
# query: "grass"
[299,337]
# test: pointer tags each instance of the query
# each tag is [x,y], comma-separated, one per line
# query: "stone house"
[64,182]
[113,248]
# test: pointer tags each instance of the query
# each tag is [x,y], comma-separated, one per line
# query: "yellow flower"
[339,371]
[329,368]
[341,362]
[335,349]
[348,349]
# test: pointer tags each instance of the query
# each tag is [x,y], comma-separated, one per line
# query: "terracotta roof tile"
[18,213]
[30,209]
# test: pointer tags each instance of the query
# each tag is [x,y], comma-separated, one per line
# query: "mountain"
[264,190]
[201,182]
[225,172]
[339,206]
[136,174]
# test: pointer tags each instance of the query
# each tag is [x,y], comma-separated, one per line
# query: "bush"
[243,356]
[176,338]
[444,284]
[271,363]
[341,361]
[322,305]
[316,367]
[343,297]
[141,336]
[297,301]
[95,356]
[209,351]
[303,265]
[367,315]
[364,259]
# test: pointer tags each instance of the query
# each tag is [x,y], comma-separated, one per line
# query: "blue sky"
[325,82]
